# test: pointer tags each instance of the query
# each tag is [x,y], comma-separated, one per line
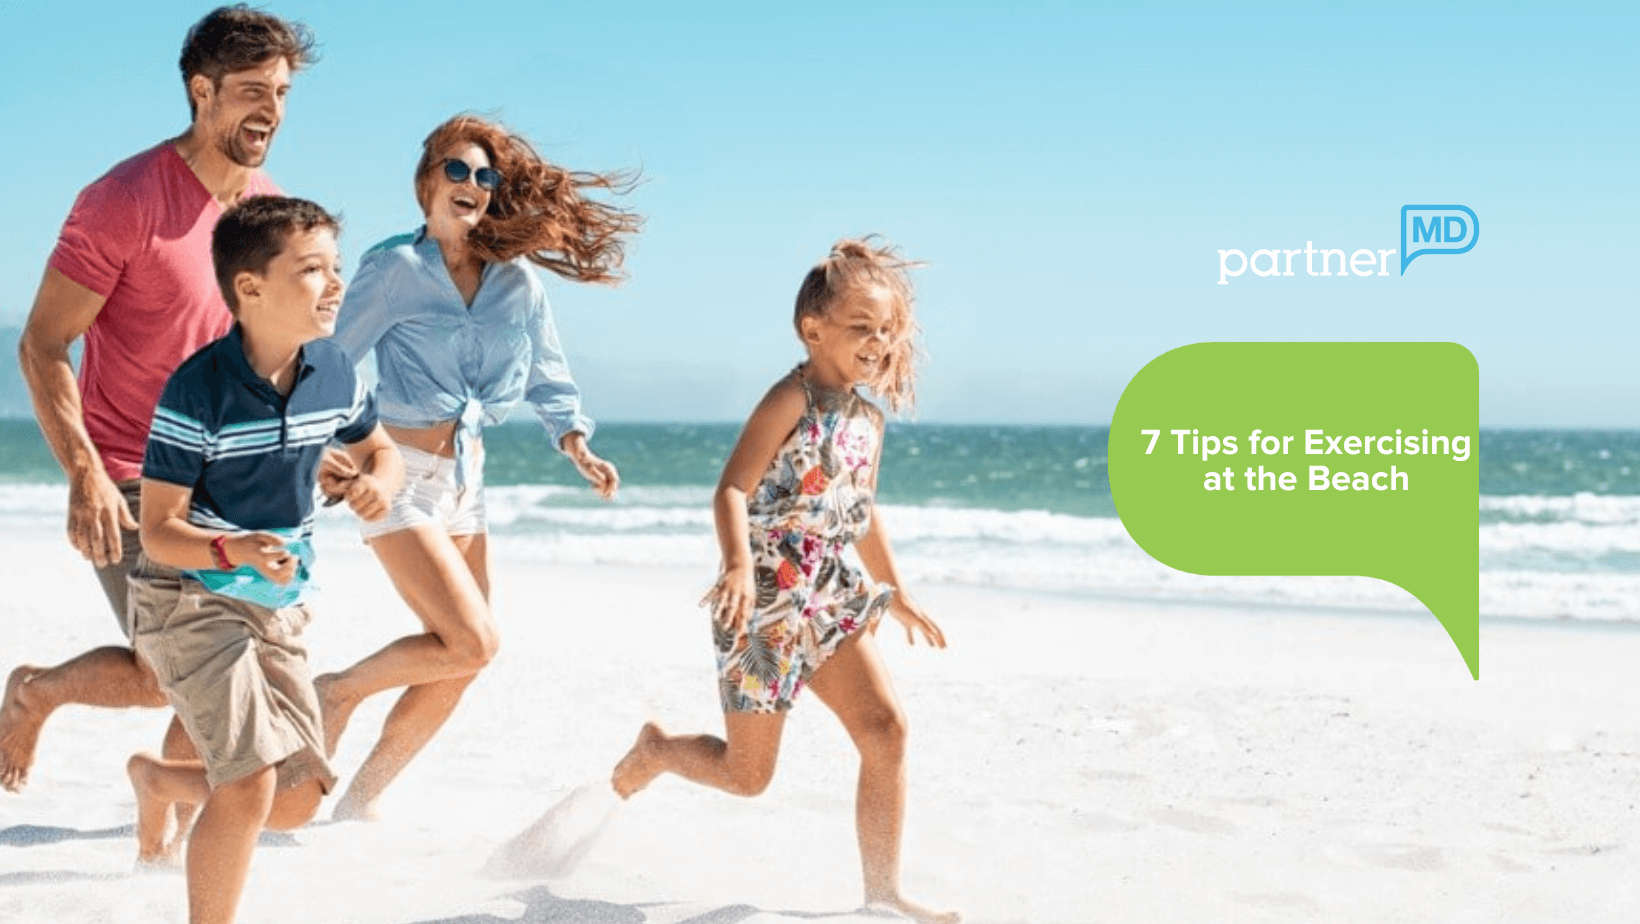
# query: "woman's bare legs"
[855,685]
[445,580]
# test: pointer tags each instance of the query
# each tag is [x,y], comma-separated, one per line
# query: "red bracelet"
[219,551]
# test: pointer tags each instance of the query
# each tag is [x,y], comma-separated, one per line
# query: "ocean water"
[1015,507]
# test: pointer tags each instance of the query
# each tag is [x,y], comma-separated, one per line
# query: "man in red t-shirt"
[132,274]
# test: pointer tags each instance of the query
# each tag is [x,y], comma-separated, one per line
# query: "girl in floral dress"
[788,610]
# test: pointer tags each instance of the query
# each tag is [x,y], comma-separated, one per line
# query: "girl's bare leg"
[446,581]
[855,685]
[743,765]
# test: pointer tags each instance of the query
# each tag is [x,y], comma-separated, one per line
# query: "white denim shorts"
[430,496]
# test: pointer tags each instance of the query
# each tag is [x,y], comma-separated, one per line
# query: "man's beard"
[233,147]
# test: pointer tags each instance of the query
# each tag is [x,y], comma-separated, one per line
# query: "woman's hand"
[263,551]
[912,617]
[368,497]
[732,597]
[600,474]
[336,474]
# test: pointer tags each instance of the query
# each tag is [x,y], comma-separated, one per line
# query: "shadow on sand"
[40,835]
[543,907]
[54,877]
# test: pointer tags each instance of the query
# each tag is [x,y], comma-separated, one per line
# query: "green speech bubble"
[1410,519]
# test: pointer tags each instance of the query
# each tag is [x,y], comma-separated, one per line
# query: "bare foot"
[169,861]
[641,765]
[20,722]
[900,906]
[335,709]
[154,850]
[355,809]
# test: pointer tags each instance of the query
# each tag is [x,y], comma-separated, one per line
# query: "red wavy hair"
[540,211]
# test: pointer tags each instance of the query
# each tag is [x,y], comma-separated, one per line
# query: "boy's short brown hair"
[249,235]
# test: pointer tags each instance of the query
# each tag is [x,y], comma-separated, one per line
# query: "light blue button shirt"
[438,359]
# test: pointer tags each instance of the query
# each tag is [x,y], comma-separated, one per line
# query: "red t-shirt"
[140,237]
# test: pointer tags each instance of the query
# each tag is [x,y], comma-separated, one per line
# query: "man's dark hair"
[237,38]
[249,235]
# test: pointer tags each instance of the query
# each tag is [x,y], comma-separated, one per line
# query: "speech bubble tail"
[1471,654]
[1458,609]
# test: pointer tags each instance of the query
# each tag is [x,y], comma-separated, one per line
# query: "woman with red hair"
[458,320]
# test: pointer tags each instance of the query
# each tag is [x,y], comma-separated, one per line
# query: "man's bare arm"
[63,312]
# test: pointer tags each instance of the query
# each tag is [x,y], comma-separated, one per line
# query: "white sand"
[1072,761]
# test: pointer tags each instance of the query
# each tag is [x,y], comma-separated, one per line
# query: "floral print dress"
[814,500]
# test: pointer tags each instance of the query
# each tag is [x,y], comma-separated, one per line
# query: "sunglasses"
[457,171]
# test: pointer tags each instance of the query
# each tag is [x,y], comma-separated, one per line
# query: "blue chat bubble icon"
[1451,229]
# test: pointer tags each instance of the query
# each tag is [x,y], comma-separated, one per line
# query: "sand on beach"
[1072,760]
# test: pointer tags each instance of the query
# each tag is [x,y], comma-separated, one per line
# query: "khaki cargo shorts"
[236,673]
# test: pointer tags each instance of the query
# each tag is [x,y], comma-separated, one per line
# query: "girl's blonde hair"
[540,211]
[867,263]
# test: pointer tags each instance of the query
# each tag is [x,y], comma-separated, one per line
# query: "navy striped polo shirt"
[249,454]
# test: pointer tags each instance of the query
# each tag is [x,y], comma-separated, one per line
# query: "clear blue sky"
[1068,169]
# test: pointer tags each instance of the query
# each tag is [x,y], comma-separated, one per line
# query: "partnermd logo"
[1450,229]
[1425,229]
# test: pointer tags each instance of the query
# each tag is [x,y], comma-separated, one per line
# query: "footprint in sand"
[1096,822]
[1507,829]
[1587,850]
[1390,856]
[1410,857]
[1281,901]
[1193,822]
[1262,802]
[1121,776]
[1376,845]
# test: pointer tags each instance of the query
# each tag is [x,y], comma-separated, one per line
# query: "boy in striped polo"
[216,601]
